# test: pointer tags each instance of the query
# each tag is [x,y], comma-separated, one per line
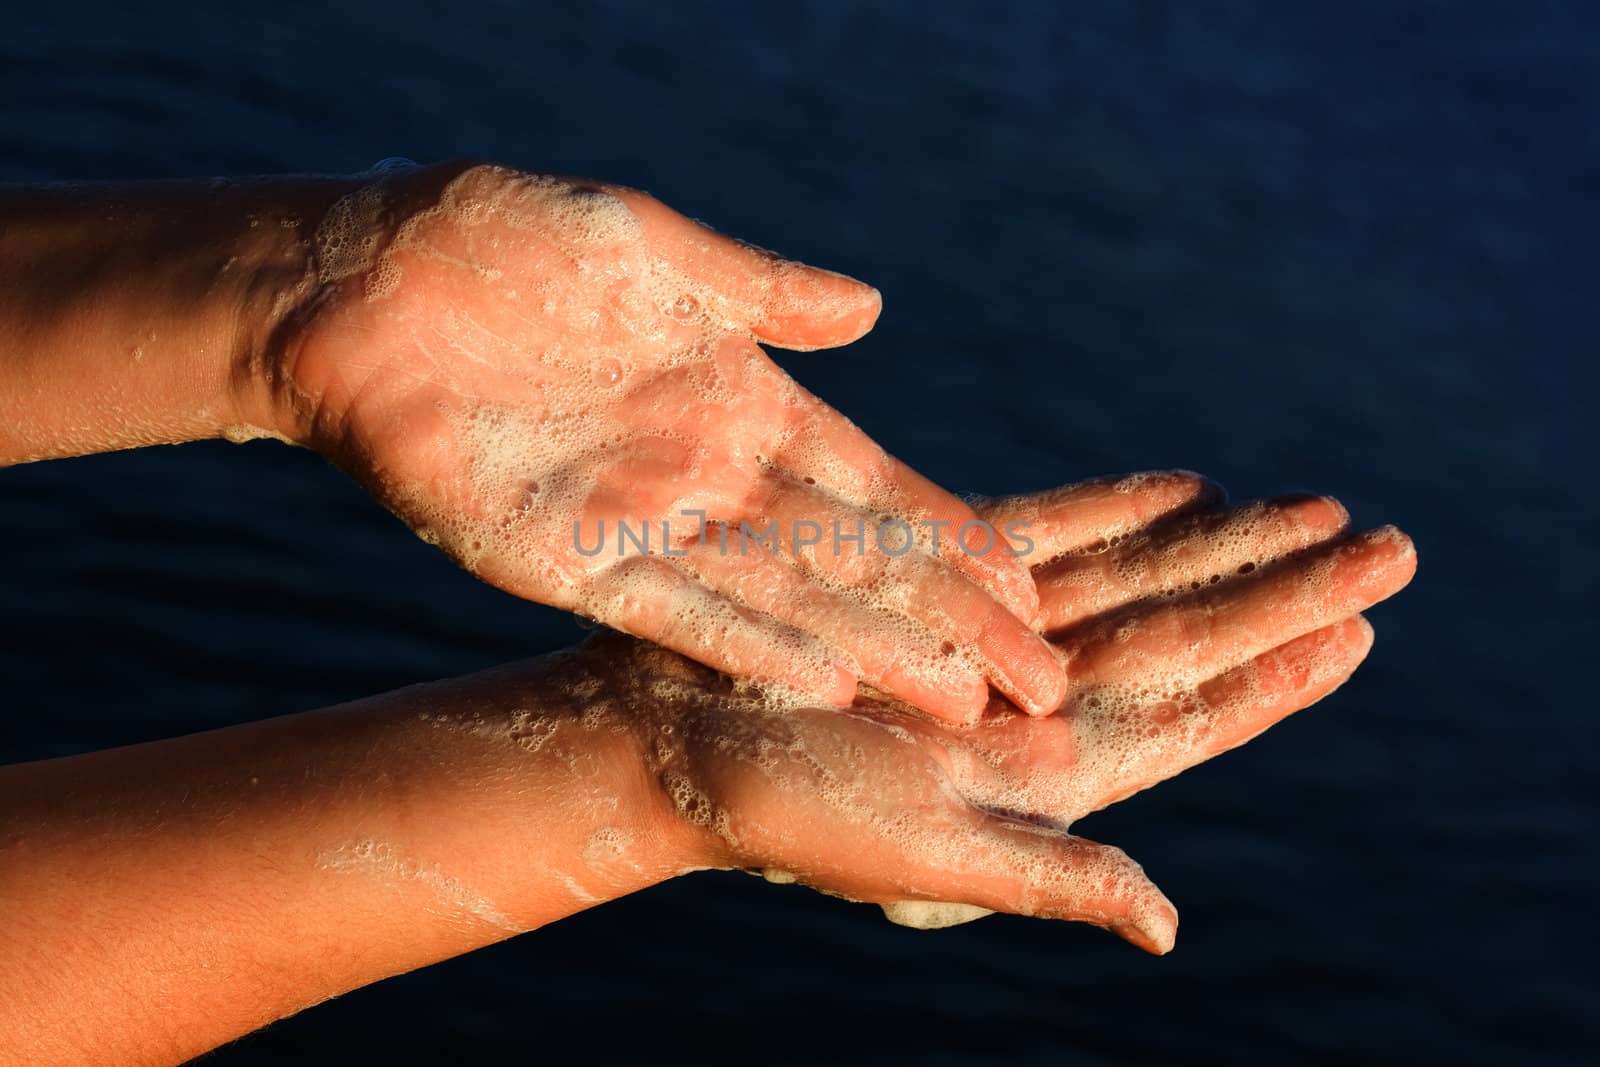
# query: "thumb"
[997,864]
[779,301]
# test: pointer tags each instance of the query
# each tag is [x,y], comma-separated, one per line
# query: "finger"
[1095,512]
[651,598]
[1193,638]
[1257,695]
[1182,554]
[890,575]
[967,541]
[906,661]
[1000,865]
[779,301]
[826,449]
[1128,742]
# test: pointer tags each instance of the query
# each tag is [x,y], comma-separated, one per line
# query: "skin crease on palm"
[509,361]
[1186,629]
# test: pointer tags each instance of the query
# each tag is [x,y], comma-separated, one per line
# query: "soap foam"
[380,860]
[931,915]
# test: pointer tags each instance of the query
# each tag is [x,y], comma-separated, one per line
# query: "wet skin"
[233,877]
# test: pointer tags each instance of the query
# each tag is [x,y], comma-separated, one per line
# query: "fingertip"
[1165,491]
[871,304]
[960,698]
[809,308]
[1341,513]
[1049,694]
[1365,635]
[1192,487]
[839,690]
[1154,928]
[963,709]
[1393,558]
[850,293]
[1336,649]
[974,700]
[1037,679]
[1321,514]
[1150,921]
[1210,492]
[1405,549]
[827,683]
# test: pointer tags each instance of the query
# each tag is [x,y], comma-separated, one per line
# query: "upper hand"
[510,360]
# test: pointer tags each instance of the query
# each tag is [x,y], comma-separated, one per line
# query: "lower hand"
[1182,637]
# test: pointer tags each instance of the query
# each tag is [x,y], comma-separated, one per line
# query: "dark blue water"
[1351,251]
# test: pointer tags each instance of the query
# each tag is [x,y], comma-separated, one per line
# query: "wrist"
[540,791]
[315,297]
[641,689]
[667,702]
[281,294]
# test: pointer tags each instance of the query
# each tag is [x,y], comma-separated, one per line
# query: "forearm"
[144,314]
[162,899]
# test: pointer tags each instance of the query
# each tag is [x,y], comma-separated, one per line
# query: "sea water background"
[1350,250]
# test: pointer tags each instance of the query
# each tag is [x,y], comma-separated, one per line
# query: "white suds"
[931,914]
[379,860]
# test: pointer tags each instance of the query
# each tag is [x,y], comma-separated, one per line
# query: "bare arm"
[144,314]
[161,899]
[164,898]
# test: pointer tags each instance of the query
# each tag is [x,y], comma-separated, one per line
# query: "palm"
[531,361]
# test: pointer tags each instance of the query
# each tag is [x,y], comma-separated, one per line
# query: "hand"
[1183,637]
[517,364]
